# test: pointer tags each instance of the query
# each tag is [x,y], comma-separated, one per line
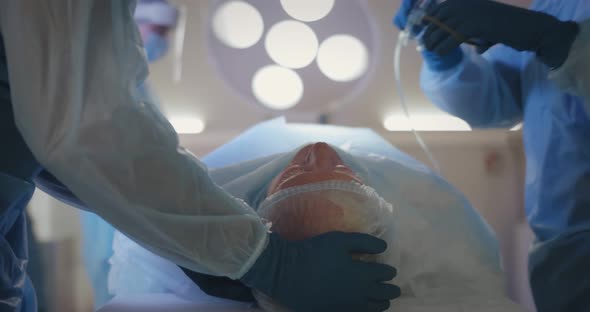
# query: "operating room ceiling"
[202,91]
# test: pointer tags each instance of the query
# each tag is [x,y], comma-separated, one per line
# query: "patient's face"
[313,163]
[309,215]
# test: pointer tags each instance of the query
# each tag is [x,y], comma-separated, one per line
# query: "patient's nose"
[322,157]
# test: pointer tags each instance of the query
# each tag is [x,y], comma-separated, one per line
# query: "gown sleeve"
[74,70]
[482,90]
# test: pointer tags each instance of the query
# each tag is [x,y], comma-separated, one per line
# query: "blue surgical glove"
[439,63]
[319,274]
[434,61]
[494,22]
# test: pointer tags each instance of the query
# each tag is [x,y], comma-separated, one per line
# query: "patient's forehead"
[306,215]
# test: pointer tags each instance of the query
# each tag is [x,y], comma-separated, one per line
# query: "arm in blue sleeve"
[485,91]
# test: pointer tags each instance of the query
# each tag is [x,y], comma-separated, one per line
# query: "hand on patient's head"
[333,206]
[317,193]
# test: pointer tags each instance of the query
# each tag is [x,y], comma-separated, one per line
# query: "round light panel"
[343,58]
[238,24]
[277,87]
[308,10]
[278,72]
[291,44]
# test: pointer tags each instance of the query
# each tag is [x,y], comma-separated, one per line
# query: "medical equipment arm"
[482,90]
[74,69]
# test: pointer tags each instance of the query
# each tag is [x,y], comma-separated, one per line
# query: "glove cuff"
[220,287]
[439,63]
[264,270]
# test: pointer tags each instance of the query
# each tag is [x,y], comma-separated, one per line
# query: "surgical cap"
[308,210]
[341,205]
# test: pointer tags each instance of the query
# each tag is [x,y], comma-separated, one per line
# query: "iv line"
[402,41]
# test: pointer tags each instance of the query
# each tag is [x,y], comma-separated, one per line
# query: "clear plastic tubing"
[414,18]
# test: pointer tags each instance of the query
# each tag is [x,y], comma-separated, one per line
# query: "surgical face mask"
[155,46]
[300,212]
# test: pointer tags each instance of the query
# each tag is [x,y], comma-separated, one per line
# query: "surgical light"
[238,24]
[343,58]
[277,87]
[292,41]
[291,44]
[308,10]
[188,125]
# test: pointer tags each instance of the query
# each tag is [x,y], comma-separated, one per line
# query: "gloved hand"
[319,274]
[439,63]
[434,61]
[221,287]
[494,22]
[401,18]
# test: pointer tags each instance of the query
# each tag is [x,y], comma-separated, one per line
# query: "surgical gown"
[504,87]
[74,68]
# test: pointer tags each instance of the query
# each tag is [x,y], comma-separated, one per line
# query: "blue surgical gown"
[17,169]
[504,87]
